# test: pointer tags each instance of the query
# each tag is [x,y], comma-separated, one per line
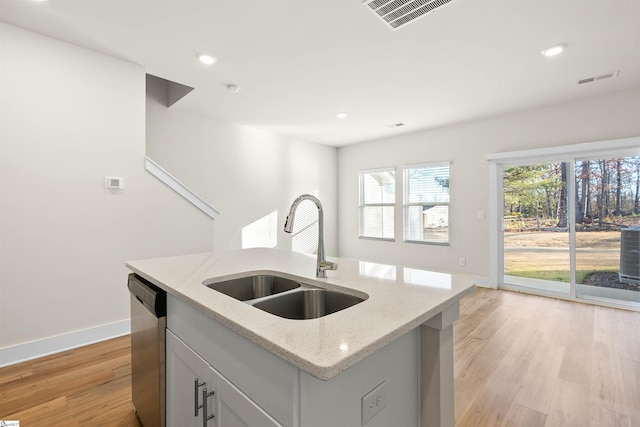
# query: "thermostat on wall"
[113,182]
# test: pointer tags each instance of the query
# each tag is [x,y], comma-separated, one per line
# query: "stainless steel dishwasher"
[148,323]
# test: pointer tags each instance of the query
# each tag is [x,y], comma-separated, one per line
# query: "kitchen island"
[385,361]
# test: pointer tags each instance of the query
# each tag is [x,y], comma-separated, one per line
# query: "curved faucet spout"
[322,265]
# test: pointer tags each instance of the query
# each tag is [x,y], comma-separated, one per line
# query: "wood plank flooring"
[88,386]
[520,360]
[524,360]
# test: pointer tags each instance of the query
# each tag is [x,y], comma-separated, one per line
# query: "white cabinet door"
[191,380]
[187,378]
[235,409]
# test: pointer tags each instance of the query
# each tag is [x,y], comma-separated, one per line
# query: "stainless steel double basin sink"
[287,298]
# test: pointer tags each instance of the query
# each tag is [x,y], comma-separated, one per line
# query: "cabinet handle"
[196,385]
[205,417]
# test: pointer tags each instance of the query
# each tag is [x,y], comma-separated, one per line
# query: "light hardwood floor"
[88,386]
[520,360]
[523,360]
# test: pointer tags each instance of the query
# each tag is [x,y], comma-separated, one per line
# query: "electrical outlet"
[462,261]
[480,214]
[374,402]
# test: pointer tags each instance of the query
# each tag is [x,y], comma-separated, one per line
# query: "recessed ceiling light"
[341,115]
[554,50]
[233,88]
[207,59]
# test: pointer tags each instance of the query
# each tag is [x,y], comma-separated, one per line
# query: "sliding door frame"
[568,154]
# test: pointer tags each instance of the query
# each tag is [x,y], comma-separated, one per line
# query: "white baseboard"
[46,346]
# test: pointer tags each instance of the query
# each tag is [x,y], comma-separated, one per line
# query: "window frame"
[362,205]
[405,204]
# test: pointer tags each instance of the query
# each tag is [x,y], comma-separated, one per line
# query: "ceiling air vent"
[600,77]
[397,13]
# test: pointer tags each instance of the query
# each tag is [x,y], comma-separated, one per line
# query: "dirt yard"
[549,250]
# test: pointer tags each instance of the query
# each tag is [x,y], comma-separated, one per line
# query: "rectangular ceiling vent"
[600,77]
[398,13]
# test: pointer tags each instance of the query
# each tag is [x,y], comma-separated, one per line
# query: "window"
[377,203]
[426,203]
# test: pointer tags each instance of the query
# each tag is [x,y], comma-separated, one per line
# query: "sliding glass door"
[536,227]
[607,233]
[572,227]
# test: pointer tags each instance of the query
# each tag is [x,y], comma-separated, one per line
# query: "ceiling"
[299,62]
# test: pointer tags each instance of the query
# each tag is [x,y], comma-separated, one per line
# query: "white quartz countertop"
[399,300]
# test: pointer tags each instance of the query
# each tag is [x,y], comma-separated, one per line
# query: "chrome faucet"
[322,265]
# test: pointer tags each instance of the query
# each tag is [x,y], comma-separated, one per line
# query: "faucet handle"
[328,265]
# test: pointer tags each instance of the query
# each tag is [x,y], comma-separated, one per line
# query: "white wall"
[466,145]
[246,173]
[68,117]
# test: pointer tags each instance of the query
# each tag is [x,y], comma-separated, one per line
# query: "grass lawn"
[545,255]
[556,275]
